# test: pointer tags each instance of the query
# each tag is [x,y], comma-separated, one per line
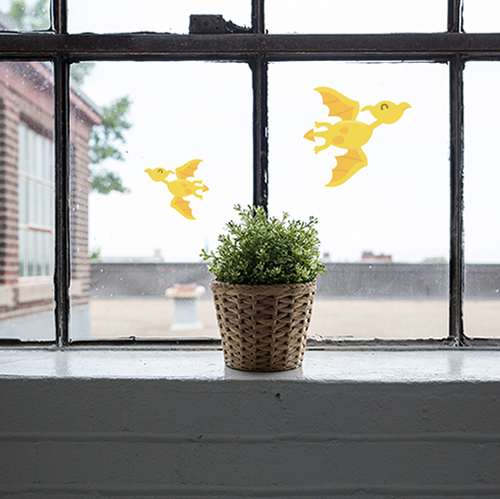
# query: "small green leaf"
[263,250]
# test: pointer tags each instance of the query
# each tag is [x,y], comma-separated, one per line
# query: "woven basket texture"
[263,327]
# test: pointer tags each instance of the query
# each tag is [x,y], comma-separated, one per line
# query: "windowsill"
[334,366]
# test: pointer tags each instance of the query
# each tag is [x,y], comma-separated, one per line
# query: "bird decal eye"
[160,170]
[384,106]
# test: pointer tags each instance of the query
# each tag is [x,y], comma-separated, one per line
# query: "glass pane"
[150,15]
[481,16]
[26,289]
[384,231]
[28,15]
[140,246]
[356,16]
[482,204]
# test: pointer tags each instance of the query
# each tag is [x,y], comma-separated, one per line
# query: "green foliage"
[30,18]
[435,259]
[80,71]
[95,254]
[104,181]
[105,142]
[263,250]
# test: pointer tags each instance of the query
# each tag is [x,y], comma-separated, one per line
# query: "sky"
[397,205]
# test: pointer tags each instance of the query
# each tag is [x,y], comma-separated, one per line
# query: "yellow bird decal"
[348,133]
[181,187]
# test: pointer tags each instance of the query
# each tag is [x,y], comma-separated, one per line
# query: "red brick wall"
[26,95]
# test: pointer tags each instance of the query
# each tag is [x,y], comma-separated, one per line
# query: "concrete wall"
[341,280]
[157,424]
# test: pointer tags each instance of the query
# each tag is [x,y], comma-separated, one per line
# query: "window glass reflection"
[482,206]
[481,16]
[27,201]
[384,231]
[138,273]
[24,15]
[150,15]
[355,16]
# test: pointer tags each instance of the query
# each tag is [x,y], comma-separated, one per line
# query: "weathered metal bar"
[62,252]
[60,16]
[127,46]
[258,16]
[454,16]
[457,266]
[260,139]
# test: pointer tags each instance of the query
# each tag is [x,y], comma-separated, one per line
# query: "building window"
[274,51]
[36,203]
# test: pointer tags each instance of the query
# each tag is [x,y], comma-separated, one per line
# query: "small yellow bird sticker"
[349,133]
[181,187]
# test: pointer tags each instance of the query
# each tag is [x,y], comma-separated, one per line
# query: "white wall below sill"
[124,423]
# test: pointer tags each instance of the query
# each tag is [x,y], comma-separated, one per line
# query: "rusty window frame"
[223,41]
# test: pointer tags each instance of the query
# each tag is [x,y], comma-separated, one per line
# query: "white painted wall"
[140,424]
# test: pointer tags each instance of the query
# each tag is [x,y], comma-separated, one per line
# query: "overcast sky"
[398,204]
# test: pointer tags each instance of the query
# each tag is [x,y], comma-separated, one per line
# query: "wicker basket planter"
[263,327]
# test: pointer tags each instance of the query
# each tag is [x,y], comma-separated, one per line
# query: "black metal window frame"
[257,48]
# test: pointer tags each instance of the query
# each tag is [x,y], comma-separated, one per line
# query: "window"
[251,71]
[36,200]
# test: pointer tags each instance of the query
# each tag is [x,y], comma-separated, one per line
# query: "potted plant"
[265,272]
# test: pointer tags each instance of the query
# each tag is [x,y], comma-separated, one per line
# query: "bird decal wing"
[182,206]
[347,165]
[338,104]
[187,170]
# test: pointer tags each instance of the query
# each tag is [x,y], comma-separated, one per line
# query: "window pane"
[179,112]
[482,205]
[150,15]
[481,16]
[30,15]
[384,231]
[355,16]
[26,122]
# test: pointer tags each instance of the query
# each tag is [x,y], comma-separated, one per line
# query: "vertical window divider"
[258,16]
[259,66]
[457,266]
[60,16]
[62,270]
[455,10]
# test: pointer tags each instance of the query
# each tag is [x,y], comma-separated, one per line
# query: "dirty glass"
[384,231]
[27,201]
[27,15]
[482,203]
[149,15]
[139,273]
[356,16]
[481,16]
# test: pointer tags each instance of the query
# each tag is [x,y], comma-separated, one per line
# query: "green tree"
[106,139]
[80,71]
[105,142]
[30,18]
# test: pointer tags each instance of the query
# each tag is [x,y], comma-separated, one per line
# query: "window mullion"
[259,67]
[258,16]
[455,9]
[60,16]
[62,255]
[457,274]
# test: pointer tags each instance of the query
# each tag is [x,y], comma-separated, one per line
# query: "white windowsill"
[334,366]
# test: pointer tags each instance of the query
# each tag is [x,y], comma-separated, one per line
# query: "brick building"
[27,197]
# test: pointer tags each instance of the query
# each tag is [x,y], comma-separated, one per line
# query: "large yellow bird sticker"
[181,187]
[348,133]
